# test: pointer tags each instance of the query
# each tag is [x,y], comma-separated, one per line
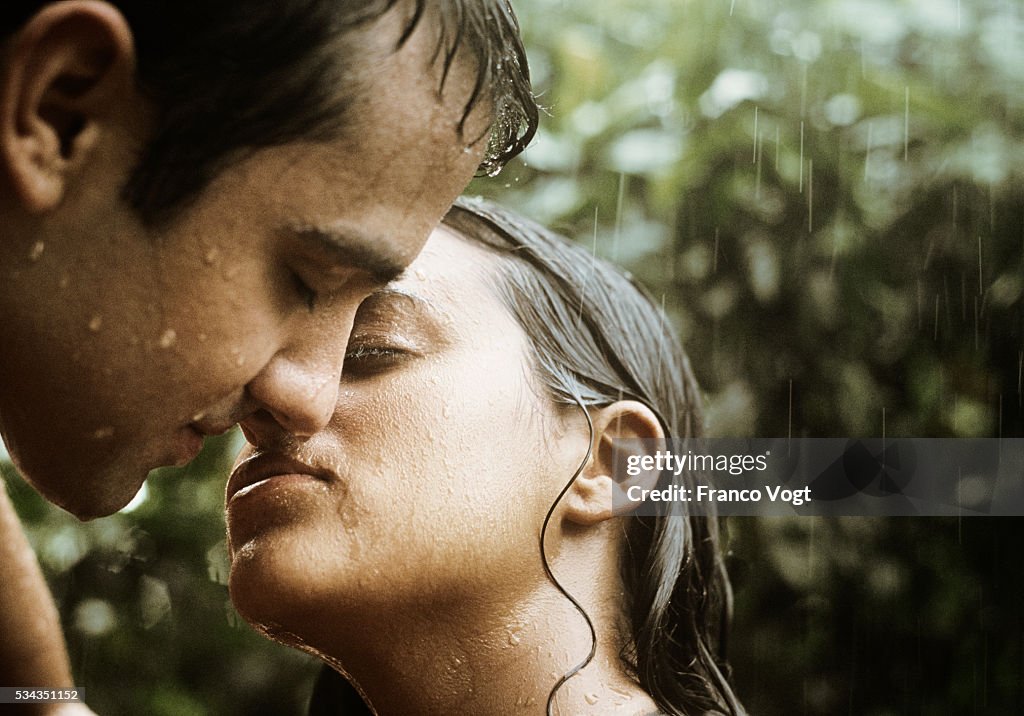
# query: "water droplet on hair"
[103,433]
[36,251]
[96,323]
[169,337]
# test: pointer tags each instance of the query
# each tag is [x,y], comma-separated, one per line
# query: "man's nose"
[298,387]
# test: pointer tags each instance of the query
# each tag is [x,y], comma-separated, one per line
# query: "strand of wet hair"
[554,580]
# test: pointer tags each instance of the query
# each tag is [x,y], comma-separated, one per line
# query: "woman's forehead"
[452,274]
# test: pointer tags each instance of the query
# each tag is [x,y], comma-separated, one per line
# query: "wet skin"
[400,542]
[438,422]
[123,345]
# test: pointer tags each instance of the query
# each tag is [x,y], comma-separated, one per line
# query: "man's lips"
[190,439]
[265,466]
[210,428]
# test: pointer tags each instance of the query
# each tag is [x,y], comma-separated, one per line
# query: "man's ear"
[66,75]
[590,499]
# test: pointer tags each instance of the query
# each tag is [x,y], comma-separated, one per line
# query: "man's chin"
[88,496]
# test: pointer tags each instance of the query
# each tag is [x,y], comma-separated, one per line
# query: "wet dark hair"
[597,337]
[228,77]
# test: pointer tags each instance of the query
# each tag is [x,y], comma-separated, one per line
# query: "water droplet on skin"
[37,251]
[592,698]
[420,274]
[240,361]
[103,434]
[64,281]
[211,256]
[96,323]
[202,337]
[198,416]
[168,338]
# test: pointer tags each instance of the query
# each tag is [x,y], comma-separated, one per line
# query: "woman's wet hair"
[229,77]
[597,337]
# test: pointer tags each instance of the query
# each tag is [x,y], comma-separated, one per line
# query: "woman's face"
[433,478]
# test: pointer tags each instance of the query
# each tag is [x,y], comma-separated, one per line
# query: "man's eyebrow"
[354,248]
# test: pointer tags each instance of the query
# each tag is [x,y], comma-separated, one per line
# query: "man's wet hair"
[228,77]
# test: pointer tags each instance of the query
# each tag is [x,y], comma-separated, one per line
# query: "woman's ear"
[592,497]
[68,74]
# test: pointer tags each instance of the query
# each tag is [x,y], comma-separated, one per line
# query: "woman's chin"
[266,589]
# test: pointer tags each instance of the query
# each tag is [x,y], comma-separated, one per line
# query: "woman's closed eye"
[391,329]
[369,358]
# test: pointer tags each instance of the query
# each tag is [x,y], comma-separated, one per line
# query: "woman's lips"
[267,466]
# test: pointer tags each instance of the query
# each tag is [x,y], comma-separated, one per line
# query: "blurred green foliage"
[827,194]
[145,608]
[828,197]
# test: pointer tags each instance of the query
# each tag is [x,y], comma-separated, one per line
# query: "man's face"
[125,346]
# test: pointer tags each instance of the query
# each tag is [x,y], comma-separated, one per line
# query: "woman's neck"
[484,660]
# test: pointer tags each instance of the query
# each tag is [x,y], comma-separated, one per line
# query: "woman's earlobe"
[600,492]
[68,71]
[589,500]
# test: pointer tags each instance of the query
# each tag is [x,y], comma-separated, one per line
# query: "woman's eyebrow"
[352,247]
[396,309]
[392,292]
